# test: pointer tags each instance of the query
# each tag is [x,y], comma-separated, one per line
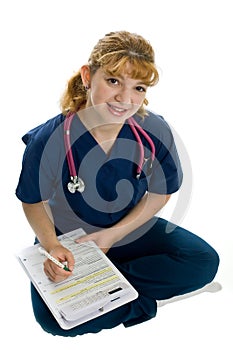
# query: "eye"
[112,81]
[141,89]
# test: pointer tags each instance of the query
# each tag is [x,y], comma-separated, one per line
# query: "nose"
[124,96]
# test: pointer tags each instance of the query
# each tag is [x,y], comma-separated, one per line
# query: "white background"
[42,44]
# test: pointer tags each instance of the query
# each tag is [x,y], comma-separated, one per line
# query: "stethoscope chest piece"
[76,184]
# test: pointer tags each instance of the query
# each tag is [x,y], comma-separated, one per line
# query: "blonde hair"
[112,53]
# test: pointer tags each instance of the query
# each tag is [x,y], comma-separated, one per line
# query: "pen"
[50,257]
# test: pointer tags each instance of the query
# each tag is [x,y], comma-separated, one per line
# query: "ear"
[85,75]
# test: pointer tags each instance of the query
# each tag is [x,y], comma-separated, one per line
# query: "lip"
[116,110]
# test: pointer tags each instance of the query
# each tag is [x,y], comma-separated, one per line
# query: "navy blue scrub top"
[111,186]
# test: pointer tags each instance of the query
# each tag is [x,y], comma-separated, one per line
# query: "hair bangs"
[134,66]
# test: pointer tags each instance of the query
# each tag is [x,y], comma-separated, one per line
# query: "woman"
[125,169]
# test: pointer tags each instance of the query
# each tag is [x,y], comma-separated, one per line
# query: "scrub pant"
[159,265]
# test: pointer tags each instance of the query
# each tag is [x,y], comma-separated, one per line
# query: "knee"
[214,261]
[208,263]
[43,316]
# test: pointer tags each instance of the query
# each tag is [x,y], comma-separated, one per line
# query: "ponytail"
[74,96]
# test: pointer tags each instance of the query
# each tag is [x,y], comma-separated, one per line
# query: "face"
[115,98]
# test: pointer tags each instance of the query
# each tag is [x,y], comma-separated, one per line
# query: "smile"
[117,110]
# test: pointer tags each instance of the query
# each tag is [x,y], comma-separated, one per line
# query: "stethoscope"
[76,183]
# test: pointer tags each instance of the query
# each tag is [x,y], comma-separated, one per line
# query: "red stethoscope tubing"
[69,155]
[135,127]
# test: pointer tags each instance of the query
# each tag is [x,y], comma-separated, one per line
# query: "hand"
[103,239]
[54,272]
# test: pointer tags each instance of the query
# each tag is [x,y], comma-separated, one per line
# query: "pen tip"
[66,268]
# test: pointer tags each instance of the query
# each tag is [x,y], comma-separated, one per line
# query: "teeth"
[118,109]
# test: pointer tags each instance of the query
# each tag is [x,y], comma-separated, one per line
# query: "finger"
[65,256]
[83,240]
[49,272]
[70,261]
[87,238]
[55,277]
[105,250]
[55,273]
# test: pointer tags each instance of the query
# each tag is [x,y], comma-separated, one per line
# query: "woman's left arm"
[148,206]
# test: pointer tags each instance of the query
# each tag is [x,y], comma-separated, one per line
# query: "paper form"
[94,283]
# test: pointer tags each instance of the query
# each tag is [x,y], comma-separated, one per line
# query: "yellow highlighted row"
[81,280]
[67,297]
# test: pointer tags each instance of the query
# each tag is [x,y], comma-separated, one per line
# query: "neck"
[95,124]
[104,134]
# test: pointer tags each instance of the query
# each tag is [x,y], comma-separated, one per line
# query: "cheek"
[139,98]
[99,96]
[138,101]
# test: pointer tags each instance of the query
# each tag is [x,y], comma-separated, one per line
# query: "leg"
[139,310]
[161,265]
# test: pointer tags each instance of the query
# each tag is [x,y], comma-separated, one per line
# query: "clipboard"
[95,287]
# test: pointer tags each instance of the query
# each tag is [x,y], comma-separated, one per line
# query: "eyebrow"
[122,77]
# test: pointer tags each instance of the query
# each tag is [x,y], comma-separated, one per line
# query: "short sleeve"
[39,165]
[167,175]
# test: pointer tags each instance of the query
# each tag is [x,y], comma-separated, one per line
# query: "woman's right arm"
[40,218]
